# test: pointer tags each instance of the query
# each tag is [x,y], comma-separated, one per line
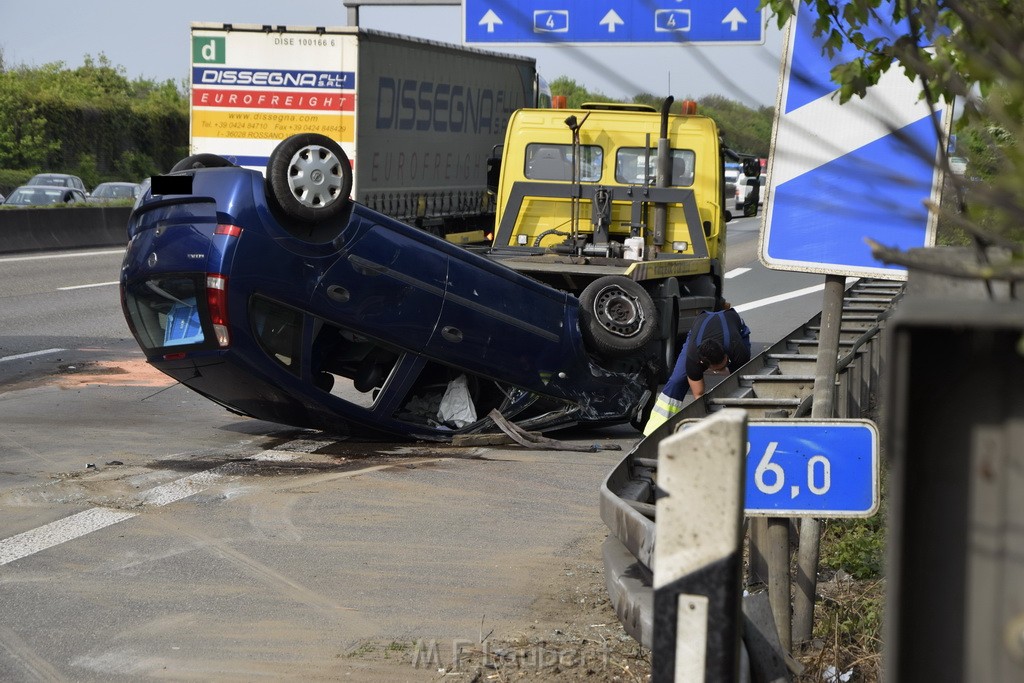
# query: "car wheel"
[617,316]
[309,177]
[200,161]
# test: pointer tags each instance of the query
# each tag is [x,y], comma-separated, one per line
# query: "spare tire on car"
[309,177]
[617,316]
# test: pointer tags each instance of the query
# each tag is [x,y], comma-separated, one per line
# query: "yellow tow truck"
[622,206]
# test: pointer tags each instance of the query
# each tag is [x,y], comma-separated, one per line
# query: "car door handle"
[452,334]
[337,293]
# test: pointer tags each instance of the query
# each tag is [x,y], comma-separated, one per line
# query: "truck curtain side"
[418,119]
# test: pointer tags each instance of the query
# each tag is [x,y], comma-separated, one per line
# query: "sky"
[151,40]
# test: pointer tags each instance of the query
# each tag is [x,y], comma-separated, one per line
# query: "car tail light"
[229,230]
[217,303]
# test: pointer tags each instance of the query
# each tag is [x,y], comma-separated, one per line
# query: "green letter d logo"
[207,50]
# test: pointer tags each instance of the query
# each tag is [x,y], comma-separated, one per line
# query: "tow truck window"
[545,161]
[630,170]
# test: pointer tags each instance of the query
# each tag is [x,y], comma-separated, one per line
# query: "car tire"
[617,316]
[309,177]
[200,161]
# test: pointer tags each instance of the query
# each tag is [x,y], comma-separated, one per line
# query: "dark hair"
[710,352]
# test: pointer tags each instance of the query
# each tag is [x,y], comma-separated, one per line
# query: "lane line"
[97,284]
[61,531]
[12,259]
[736,271]
[30,354]
[779,297]
[77,525]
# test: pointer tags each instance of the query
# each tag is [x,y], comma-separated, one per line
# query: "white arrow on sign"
[490,19]
[735,17]
[611,19]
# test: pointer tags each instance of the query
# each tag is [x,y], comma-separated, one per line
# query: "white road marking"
[70,528]
[43,257]
[31,354]
[779,297]
[97,284]
[61,531]
[736,271]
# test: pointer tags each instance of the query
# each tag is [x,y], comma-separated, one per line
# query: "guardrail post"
[698,561]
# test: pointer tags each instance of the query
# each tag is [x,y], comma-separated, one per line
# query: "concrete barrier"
[71,228]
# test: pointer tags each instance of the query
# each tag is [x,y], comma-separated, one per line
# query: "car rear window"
[166,311]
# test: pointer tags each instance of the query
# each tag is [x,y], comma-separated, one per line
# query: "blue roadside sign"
[624,22]
[812,468]
[841,173]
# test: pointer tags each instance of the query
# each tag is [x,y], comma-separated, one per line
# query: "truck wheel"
[309,177]
[617,316]
[200,161]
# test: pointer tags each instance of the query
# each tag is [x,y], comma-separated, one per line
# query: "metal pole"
[824,397]
[778,578]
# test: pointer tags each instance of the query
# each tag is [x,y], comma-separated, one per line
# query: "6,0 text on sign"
[811,468]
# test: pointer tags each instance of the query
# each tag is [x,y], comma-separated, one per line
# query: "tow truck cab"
[622,206]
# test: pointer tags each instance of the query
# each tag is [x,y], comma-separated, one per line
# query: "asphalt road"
[148,533]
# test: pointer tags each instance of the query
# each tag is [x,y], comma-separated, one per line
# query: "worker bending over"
[717,341]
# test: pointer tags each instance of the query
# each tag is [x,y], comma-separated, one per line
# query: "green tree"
[89,120]
[24,142]
[967,52]
[575,94]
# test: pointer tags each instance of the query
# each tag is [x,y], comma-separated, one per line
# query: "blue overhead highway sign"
[624,22]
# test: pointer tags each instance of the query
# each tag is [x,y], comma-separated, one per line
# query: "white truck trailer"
[418,119]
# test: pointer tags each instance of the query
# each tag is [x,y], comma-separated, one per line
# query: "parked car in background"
[958,165]
[732,174]
[282,299]
[58,180]
[112,191]
[744,184]
[44,195]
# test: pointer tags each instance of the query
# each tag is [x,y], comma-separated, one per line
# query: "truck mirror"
[493,173]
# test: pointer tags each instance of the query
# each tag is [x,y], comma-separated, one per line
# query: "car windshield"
[50,180]
[27,196]
[114,192]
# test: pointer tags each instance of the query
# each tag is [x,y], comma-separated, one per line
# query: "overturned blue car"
[281,299]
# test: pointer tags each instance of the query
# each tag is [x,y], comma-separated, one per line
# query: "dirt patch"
[122,373]
[575,636]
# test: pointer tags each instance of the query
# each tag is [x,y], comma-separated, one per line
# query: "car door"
[499,323]
[387,284]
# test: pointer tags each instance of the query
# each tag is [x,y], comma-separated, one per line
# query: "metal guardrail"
[777,383]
